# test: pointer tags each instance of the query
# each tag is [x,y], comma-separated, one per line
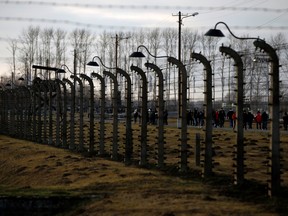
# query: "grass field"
[107,187]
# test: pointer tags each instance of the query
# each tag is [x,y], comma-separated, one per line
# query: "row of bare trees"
[55,47]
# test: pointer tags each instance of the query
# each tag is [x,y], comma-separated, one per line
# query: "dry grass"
[30,169]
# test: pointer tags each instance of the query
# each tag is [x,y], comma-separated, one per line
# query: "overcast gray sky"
[253,17]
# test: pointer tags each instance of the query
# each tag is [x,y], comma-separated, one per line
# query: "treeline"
[55,47]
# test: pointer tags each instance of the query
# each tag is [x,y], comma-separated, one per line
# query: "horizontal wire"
[126,27]
[30,19]
[146,7]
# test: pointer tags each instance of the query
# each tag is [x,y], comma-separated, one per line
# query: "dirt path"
[30,169]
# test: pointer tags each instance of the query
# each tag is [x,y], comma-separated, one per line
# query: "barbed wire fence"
[41,117]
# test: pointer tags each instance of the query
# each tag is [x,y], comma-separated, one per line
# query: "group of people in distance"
[219,116]
[260,119]
[152,116]
[196,118]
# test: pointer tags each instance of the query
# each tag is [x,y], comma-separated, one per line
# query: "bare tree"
[28,51]
[60,44]
[12,47]
[102,46]
[46,54]
[170,39]
[209,48]
[189,42]
[279,42]
[154,42]
[138,38]
[81,41]
[88,39]
[243,47]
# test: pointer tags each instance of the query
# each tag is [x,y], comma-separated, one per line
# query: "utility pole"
[117,40]
[180,22]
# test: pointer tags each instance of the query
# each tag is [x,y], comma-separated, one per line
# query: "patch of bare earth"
[30,169]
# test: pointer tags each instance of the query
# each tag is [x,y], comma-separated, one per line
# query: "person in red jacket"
[234,118]
[258,120]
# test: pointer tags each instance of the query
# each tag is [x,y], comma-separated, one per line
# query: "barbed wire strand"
[144,7]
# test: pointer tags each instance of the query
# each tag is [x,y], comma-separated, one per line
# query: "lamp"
[218,33]
[10,84]
[61,70]
[118,70]
[95,64]
[139,54]
[215,33]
